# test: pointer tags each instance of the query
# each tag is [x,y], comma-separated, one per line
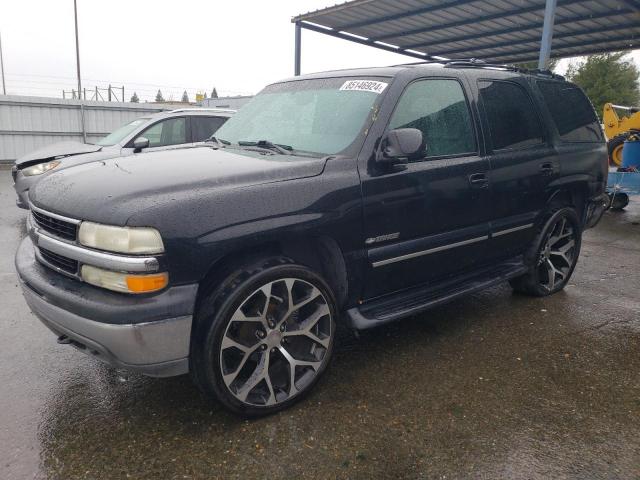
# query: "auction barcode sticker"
[364,86]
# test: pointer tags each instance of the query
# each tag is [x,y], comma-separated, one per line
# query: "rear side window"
[571,112]
[438,108]
[203,127]
[513,121]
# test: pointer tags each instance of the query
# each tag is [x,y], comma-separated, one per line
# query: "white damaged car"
[159,131]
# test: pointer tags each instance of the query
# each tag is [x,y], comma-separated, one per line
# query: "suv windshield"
[320,116]
[121,133]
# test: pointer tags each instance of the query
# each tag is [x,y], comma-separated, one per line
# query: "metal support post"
[547,34]
[297,49]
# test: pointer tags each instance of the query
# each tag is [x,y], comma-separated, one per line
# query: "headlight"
[124,282]
[40,168]
[120,239]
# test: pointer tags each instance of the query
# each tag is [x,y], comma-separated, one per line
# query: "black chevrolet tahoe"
[357,196]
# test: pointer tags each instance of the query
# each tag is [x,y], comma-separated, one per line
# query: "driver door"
[429,219]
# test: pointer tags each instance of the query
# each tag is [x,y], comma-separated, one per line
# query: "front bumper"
[149,334]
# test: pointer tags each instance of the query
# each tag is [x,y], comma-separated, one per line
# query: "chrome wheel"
[557,255]
[276,342]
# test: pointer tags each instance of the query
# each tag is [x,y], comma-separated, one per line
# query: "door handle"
[479,180]
[547,169]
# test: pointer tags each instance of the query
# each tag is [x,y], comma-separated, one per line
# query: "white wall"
[28,123]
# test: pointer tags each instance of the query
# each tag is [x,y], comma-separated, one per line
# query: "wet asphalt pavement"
[493,386]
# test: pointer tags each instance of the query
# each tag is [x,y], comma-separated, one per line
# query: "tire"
[264,337]
[618,201]
[614,148]
[553,255]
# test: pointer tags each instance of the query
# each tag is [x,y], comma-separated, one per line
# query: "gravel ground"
[492,386]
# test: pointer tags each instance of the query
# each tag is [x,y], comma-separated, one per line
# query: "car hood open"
[111,191]
[60,149]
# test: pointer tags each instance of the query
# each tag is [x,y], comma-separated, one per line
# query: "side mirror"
[140,143]
[401,145]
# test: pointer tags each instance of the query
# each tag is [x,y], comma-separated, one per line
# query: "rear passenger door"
[203,127]
[580,141]
[523,162]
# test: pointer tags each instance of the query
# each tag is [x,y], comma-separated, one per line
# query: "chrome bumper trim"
[98,259]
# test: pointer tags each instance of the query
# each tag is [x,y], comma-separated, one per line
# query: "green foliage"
[159,97]
[607,77]
[185,97]
[134,98]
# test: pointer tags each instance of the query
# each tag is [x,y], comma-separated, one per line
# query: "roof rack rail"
[477,63]
[546,73]
[444,61]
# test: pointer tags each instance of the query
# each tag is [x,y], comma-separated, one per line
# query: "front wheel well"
[321,254]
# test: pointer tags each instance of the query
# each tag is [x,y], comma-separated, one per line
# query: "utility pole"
[4,87]
[75,13]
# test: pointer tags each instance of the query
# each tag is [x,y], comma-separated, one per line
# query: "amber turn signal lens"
[124,282]
[147,283]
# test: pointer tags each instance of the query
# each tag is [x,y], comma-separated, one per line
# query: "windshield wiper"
[219,141]
[266,144]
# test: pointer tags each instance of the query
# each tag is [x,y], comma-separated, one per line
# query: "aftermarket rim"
[276,342]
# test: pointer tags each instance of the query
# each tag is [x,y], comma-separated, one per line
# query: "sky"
[144,45]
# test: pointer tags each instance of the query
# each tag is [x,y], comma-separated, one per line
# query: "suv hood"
[60,149]
[111,191]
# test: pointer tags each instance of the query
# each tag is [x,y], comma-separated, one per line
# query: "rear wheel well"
[574,196]
[321,254]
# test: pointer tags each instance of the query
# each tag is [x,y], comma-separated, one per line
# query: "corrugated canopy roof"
[498,31]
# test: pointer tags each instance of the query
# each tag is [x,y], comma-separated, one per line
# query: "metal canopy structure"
[497,31]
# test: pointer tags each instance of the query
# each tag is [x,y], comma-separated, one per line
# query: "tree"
[205,94]
[134,98]
[159,97]
[214,93]
[185,97]
[607,77]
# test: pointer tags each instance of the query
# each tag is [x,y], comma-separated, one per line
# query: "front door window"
[171,131]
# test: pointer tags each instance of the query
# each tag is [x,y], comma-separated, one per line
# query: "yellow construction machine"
[618,129]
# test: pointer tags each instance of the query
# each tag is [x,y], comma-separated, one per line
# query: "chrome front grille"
[55,225]
[59,261]
[55,239]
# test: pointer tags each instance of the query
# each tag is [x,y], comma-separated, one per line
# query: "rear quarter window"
[571,111]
